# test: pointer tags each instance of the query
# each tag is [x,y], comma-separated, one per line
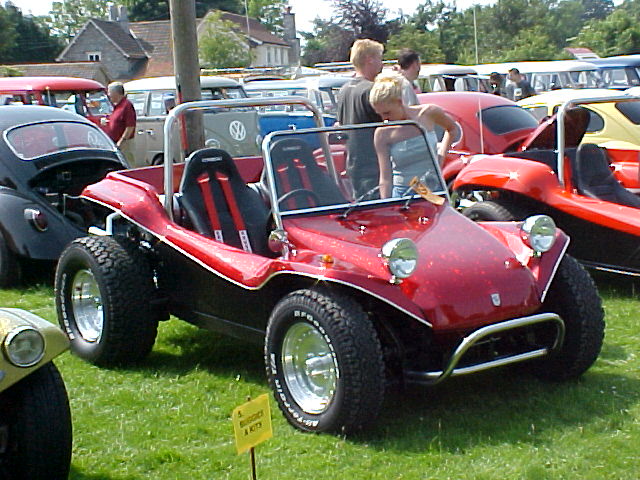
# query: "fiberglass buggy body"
[348,296]
[576,183]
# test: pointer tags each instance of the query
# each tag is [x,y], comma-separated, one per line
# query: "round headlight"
[401,255]
[539,233]
[24,346]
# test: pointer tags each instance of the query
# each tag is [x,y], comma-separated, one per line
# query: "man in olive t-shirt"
[354,108]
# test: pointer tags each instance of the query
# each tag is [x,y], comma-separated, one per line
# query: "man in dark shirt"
[121,125]
[354,108]
[518,87]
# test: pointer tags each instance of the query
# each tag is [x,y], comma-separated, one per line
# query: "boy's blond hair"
[387,86]
[363,48]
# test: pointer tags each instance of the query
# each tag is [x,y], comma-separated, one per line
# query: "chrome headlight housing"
[24,346]
[539,233]
[401,255]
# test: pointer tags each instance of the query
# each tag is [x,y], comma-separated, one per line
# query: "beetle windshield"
[46,138]
[304,179]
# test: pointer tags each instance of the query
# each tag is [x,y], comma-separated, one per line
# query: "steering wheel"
[300,191]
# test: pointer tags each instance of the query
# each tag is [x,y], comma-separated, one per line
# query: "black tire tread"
[42,427]
[495,210]
[127,288]
[360,355]
[574,296]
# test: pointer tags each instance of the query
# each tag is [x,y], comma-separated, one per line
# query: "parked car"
[35,420]
[619,72]
[448,78]
[322,91]
[487,124]
[80,95]
[573,182]
[348,295]
[47,156]
[613,125]
[235,131]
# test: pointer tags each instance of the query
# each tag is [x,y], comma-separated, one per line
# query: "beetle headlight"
[24,346]
[401,255]
[539,233]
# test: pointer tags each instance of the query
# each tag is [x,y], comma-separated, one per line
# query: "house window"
[93,56]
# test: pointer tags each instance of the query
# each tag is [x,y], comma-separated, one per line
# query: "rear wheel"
[574,296]
[35,428]
[103,293]
[494,211]
[324,362]
[9,265]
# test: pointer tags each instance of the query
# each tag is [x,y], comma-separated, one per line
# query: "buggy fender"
[487,172]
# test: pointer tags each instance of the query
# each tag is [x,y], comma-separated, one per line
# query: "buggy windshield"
[301,180]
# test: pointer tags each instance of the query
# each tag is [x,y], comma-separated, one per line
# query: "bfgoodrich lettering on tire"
[324,362]
[103,293]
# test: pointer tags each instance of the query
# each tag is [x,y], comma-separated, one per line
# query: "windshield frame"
[278,215]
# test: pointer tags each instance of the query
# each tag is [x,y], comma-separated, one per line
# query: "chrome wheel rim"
[86,302]
[310,368]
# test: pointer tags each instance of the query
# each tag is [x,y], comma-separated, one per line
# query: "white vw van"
[234,130]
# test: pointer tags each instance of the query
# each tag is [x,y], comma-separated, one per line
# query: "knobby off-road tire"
[9,265]
[574,296]
[103,291]
[324,362]
[494,211]
[36,423]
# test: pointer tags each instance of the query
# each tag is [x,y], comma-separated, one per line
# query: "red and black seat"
[220,205]
[592,177]
[295,168]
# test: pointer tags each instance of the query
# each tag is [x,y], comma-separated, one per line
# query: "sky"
[305,10]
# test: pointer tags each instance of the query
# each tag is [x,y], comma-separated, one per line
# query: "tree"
[148,10]
[33,43]
[597,9]
[220,46]
[425,43]
[268,12]
[69,16]
[7,35]
[618,34]
[365,18]
[329,42]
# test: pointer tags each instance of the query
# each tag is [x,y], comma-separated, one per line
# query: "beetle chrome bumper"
[432,378]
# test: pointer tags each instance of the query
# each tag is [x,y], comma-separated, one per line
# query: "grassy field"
[170,417]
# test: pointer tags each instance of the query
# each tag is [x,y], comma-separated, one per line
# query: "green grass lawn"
[169,418]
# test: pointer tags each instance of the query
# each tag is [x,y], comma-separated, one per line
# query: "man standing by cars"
[409,67]
[121,125]
[518,86]
[354,108]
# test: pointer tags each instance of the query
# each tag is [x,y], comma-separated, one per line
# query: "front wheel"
[574,297]
[103,292]
[324,362]
[35,428]
[493,211]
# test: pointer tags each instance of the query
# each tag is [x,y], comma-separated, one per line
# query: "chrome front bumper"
[432,378]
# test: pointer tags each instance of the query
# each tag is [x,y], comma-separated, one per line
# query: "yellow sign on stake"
[252,423]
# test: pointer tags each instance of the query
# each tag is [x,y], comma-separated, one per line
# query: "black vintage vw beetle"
[47,156]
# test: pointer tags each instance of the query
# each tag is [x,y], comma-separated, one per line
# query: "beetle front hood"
[465,277]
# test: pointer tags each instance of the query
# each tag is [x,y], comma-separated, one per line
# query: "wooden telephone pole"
[187,68]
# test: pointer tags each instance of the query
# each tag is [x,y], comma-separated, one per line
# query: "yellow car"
[612,125]
[35,421]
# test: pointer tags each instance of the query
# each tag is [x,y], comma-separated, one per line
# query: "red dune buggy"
[579,185]
[348,295]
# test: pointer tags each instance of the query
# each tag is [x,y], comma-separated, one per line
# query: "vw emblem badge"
[237,130]
[495,299]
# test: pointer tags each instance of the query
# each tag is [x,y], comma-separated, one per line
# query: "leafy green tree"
[7,36]
[597,9]
[532,44]
[425,43]
[365,18]
[33,42]
[618,34]
[329,42]
[268,12]
[68,16]
[148,10]
[220,46]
